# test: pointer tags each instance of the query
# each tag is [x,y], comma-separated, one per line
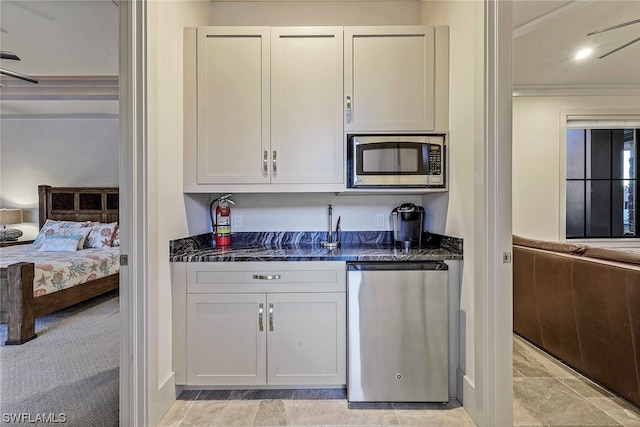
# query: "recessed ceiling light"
[583,53]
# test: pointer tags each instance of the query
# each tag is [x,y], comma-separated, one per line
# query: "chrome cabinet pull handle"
[265,163]
[275,167]
[348,109]
[260,312]
[266,276]
[271,317]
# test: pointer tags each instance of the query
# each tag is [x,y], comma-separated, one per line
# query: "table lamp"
[10,216]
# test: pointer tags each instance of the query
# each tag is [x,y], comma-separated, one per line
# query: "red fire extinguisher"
[222,222]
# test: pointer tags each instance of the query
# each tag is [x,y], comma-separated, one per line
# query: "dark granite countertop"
[306,246]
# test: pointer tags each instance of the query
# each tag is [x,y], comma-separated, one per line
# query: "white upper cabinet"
[269,109]
[390,78]
[306,105]
[233,99]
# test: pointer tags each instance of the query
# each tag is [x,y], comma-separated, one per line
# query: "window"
[601,183]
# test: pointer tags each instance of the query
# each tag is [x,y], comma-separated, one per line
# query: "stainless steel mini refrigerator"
[398,332]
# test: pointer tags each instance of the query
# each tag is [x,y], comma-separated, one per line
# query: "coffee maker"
[407,225]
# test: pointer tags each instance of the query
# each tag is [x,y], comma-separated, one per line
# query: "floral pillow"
[64,228]
[101,235]
[116,238]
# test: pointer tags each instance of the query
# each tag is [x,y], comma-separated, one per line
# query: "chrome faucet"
[330,243]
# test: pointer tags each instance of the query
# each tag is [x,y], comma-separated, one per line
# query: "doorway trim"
[133,243]
[493,292]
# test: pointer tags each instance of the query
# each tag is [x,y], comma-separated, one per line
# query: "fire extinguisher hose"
[213,221]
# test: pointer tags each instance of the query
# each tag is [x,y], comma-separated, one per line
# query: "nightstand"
[16,242]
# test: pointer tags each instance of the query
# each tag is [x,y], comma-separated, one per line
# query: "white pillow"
[60,243]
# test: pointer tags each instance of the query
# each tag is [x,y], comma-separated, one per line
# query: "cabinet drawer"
[242,277]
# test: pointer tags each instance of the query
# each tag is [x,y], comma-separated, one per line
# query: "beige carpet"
[68,375]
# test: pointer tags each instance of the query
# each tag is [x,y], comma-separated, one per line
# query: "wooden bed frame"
[99,204]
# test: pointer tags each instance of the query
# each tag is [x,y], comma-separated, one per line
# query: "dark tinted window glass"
[575,208]
[598,201]
[575,153]
[601,182]
[599,154]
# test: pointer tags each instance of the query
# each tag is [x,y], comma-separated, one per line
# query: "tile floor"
[303,408]
[546,393]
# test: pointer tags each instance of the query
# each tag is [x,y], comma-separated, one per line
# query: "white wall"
[315,13]
[537,136]
[308,212]
[57,151]
[465,114]
[167,218]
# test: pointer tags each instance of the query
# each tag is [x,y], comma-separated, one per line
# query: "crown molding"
[53,88]
[576,90]
[9,116]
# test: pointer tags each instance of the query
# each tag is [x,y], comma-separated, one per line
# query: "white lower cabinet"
[265,323]
[225,345]
[306,343]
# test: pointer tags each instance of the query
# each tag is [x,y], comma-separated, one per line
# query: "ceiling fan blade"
[620,47]
[624,24]
[8,55]
[18,75]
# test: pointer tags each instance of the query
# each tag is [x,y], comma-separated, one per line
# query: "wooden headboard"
[101,204]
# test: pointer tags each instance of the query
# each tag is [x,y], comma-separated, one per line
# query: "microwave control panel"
[435,156]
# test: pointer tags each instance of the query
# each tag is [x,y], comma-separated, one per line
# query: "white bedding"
[55,271]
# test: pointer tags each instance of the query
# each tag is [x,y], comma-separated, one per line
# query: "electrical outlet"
[380,220]
[237,221]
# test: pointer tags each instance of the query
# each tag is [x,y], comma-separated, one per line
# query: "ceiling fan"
[624,24]
[13,56]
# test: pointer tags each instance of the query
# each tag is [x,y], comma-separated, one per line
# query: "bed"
[25,293]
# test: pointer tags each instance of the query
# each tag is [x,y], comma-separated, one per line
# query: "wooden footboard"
[55,203]
[21,325]
[23,307]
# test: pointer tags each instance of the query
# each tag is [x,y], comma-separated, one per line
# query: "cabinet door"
[233,105]
[306,105]
[226,339]
[306,338]
[389,78]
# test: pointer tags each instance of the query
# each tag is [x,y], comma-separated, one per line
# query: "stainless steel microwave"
[396,161]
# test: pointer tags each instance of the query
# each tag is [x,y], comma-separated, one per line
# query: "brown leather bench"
[582,305]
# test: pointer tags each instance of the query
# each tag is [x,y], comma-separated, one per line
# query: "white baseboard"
[163,399]
[466,393]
